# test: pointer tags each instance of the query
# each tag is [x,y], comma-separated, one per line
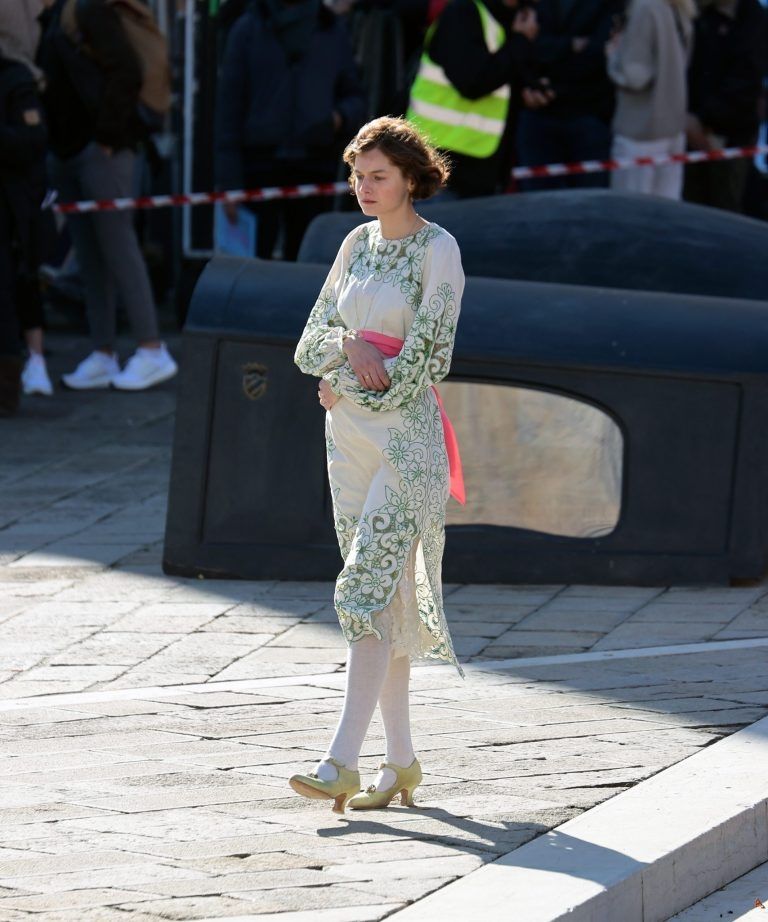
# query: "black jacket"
[725,76]
[579,79]
[90,95]
[270,107]
[23,138]
[457,44]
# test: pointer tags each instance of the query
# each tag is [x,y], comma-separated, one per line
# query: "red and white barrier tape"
[309,190]
[603,166]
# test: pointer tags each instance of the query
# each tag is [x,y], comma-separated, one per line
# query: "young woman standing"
[379,337]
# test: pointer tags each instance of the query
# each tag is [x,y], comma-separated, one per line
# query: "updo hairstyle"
[398,140]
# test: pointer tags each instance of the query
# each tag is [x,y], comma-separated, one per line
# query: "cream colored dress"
[387,462]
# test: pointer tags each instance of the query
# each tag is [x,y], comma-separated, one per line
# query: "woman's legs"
[367,666]
[395,713]
[373,674]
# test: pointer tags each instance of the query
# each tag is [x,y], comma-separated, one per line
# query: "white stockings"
[395,713]
[373,674]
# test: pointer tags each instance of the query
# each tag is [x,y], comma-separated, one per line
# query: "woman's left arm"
[320,346]
[425,358]
[630,58]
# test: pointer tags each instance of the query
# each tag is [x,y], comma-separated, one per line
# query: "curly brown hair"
[401,143]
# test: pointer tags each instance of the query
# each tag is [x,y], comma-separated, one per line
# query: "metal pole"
[161,12]
[189,120]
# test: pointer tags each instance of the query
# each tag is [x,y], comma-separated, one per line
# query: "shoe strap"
[394,768]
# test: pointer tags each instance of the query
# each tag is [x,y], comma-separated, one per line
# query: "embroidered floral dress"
[387,461]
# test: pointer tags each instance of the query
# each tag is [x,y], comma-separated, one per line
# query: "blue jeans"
[544,138]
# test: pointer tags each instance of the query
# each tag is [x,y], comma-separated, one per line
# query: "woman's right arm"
[320,348]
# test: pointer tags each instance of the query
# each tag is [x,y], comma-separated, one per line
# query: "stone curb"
[641,856]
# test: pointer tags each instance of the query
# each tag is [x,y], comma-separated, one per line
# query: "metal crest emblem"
[254,380]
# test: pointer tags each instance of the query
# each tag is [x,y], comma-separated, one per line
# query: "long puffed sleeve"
[319,349]
[425,358]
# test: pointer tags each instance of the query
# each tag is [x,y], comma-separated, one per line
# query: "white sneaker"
[34,377]
[145,368]
[94,372]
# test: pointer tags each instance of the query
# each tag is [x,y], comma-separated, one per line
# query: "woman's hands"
[327,398]
[367,364]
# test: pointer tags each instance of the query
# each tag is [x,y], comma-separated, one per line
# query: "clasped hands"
[367,364]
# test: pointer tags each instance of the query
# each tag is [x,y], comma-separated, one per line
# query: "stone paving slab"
[169,799]
[259,843]
[643,855]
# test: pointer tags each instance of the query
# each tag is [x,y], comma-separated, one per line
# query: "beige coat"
[648,66]
[20,32]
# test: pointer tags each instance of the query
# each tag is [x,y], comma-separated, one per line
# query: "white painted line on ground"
[645,854]
[334,677]
[633,653]
[339,914]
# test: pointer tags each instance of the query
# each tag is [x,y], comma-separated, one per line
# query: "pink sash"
[389,347]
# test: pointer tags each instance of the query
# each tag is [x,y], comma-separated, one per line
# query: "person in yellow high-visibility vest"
[468,88]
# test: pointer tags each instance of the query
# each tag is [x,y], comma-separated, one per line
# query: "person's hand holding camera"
[539,95]
[526,23]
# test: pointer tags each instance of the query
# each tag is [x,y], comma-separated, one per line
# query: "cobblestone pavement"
[148,724]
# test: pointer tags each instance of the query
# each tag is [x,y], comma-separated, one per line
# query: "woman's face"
[380,186]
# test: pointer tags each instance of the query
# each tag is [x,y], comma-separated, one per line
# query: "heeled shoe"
[339,790]
[406,782]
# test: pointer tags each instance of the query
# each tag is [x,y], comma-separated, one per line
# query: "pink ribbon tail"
[454,458]
[390,346]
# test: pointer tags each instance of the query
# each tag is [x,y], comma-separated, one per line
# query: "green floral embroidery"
[424,359]
[319,348]
[397,262]
[377,544]
[345,525]
[381,547]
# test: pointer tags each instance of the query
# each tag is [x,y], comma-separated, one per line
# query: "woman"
[648,61]
[380,335]
[22,178]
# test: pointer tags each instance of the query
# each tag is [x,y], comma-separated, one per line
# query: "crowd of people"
[71,90]
[492,83]
[496,83]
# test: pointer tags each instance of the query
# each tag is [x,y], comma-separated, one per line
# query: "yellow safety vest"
[451,121]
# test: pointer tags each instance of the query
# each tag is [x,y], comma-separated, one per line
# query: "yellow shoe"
[406,782]
[339,790]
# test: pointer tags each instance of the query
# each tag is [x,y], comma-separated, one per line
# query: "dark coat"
[579,79]
[726,72]
[23,137]
[90,96]
[458,46]
[269,107]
